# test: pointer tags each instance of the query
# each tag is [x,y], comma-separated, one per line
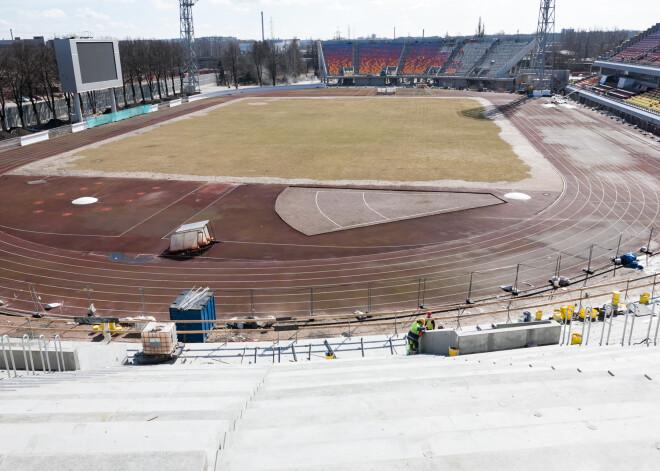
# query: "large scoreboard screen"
[88,64]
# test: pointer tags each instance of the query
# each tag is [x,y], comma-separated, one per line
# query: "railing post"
[362,345]
[609,328]
[657,324]
[309,354]
[255,355]
[625,324]
[570,325]
[589,328]
[11,355]
[144,305]
[58,340]
[648,332]
[27,368]
[293,352]
[44,352]
[632,326]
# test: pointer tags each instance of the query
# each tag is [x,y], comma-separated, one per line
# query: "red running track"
[611,189]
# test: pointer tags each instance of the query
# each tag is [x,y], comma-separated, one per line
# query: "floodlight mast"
[187,30]
[543,59]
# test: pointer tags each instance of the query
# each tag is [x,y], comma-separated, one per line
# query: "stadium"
[411,178]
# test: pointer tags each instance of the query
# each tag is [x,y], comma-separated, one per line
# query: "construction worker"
[430,323]
[416,331]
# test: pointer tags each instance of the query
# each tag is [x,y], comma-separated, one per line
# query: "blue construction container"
[203,309]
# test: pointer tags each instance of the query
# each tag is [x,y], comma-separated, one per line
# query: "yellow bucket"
[453,351]
[582,313]
[644,298]
[539,315]
[576,339]
[557,316]
[615,298]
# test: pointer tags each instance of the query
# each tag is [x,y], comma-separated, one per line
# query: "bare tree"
[258,59]
[47,76]
[272,61]
[294,63]
[15,80]
[231,56]
[481,29]
[4,88]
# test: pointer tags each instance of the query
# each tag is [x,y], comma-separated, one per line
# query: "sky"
[305,19]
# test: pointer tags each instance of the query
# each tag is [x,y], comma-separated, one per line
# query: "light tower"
[187,29]
[543,59]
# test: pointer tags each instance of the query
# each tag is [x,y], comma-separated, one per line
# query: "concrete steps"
[487,411]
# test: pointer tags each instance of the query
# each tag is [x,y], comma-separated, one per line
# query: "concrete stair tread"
[560,414]
[570,394]
[496,440]
[110,460]
[180,403]
[120,416]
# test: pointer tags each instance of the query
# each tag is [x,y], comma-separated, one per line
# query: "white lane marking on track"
[158,212]
[316,201]
[202,210]
[367,204]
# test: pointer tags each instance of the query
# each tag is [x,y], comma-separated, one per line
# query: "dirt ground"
[366,139]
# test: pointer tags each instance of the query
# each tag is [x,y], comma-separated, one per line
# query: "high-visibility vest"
[430,324]
[415,330]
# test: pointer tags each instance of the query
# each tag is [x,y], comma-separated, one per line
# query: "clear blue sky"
[309,18]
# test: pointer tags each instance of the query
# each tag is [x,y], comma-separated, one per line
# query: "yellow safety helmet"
[421,320]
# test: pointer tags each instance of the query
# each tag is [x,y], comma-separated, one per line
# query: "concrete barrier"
[77,127]
[491,339]
[34,138]
[77,355]
[174,103]
[153,108]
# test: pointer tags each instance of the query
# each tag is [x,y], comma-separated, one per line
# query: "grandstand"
[628,81]
[422,56]
[470,62]
[374,58]
[338,56]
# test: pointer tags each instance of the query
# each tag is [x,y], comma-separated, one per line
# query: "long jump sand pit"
[320,139]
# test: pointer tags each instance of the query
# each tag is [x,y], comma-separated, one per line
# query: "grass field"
[388,139]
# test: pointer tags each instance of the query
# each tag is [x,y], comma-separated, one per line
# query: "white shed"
[191,236]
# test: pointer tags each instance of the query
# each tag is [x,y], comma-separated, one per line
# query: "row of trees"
[265,62]
[28,71]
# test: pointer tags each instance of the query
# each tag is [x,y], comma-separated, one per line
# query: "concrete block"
[34,138]
[76,356]
[77,127]
[473,340]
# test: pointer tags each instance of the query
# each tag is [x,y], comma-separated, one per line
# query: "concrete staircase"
[121,418]
[403,57]
[542,408]
[577,407]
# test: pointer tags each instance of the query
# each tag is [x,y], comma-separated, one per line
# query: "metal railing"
[608,313]
[28,354]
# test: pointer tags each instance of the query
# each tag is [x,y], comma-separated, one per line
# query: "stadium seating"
[466,58]
[374,57]
[421,56]
[338,55]
[639,50]
[649,100]
[498,56]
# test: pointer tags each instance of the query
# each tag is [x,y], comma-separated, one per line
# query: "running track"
[611,189]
